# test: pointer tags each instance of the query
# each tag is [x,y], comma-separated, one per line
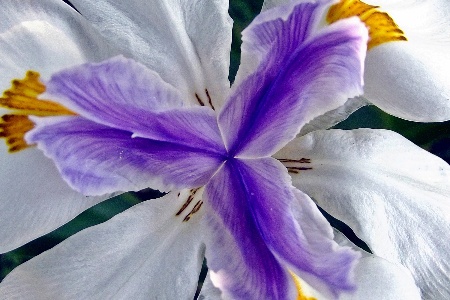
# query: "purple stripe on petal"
[95,159]
[302,73]
[241,263]
[125,95]
[255,201]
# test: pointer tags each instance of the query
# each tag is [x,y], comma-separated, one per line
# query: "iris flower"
[407,60]
[171,122]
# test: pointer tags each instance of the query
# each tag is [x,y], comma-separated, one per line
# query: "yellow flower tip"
[300,290]
[382,28]
[22,99]
[13,129]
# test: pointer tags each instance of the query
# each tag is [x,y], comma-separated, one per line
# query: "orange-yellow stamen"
[298,285]
[382,28]
[13,129]
[22,99]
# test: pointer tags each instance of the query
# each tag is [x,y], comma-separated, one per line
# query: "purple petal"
[302,73]
[242,264]
[254,200]
[125,95]
[95,159]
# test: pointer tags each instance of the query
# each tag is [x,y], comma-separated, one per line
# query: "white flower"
[407,77]
[187,43]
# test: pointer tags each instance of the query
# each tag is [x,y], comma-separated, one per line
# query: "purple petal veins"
[95,159]
[301,75]
[124,94]
[237,249]
[134,130]
[253,200]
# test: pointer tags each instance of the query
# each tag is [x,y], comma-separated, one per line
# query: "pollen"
[382,28]
[22,99]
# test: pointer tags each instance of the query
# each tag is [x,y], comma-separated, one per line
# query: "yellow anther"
[382,28]
[300,291]
[13,129]
[22,100]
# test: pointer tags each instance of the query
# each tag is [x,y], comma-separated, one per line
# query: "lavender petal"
[95,159]
[125,95]
[255,202]
[302,73]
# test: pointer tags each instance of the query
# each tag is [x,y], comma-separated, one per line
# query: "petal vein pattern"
[254,235]
[186,41]
[302,73]
[132,133]
[133,129]
[96,159]
[126,95]
[382,185]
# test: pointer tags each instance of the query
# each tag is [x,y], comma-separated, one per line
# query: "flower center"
[22,99]
[382,28]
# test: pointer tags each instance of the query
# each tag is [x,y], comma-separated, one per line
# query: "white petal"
[145,252]
[34,199]
[209,291]
[410,79]
[187,42]
[420,20]
[394,195]
[45,36]
[335,116]
[377,278]
[268,4]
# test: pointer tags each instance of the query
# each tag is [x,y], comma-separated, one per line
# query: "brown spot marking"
[297,169]
[196,208]
[202,103]
[292,164]
[209,99]
[301,160]
[199,100]
[188,201]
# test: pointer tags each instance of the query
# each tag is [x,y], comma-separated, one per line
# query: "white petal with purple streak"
[302,74]
[393,194]
[45,36]
[124,94]
[377,278]
[187,42]
[95,159]
[254,240]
